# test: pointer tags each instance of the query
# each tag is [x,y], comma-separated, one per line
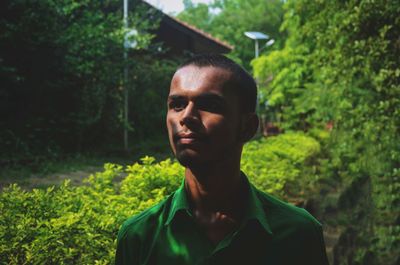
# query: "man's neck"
[214,188]
[217,199]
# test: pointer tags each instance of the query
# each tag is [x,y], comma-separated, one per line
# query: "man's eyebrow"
[212,96]
[175,97]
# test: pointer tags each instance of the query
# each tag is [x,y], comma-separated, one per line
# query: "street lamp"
[256,36]
[128,44]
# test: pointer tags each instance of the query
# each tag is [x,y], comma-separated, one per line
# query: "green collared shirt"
[271,232]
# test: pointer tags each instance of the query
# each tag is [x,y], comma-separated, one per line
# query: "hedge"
[78,224]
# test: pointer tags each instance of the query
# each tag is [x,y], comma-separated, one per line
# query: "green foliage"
[79,225]
[275,163]
[151,178]
[229,19]
[281,77]
[340,64]
[150,87]
[61,69]
[198,15]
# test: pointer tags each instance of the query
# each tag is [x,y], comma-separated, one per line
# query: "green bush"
[274,163]
[78,225]
[340,68]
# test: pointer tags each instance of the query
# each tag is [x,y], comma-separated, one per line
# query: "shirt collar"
[254,208]
[179,202]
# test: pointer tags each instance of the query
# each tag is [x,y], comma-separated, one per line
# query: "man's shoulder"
[281,215]
[294,231]
[144,221]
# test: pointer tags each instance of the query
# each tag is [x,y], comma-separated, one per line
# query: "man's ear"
[249,126]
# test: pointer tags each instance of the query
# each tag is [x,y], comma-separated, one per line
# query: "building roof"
[180,37]
[203,33]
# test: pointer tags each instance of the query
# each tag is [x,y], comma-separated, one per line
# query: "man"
[217,216]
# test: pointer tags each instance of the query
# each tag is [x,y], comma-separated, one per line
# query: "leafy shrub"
[78,225]
[273,163]
[340,67]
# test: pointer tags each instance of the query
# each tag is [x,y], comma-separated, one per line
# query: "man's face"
[203,118]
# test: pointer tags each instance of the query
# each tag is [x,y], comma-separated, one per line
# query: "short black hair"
[244,83]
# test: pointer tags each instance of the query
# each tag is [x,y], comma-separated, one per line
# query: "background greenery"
[331,82]
[229,19]
[340,67]
[61,73]
[78,225]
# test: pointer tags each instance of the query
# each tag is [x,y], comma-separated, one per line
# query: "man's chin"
[189,158]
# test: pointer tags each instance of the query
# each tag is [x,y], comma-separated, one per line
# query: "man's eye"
[177,105]
[211,106]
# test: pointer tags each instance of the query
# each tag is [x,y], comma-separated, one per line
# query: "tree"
[61,71]
[340,65]
[229,19]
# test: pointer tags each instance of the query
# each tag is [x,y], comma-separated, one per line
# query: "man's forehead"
[192,77]
[187,69]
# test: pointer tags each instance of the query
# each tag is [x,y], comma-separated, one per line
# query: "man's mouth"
[188,138]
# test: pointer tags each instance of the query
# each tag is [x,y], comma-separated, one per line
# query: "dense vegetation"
[332,74]
[340,68]
[61,74]
[78,225]
[229,19]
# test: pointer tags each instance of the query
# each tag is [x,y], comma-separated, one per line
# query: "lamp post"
[256,36]
[125,78]
[127,45]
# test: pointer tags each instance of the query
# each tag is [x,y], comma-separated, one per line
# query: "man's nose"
[190,115]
